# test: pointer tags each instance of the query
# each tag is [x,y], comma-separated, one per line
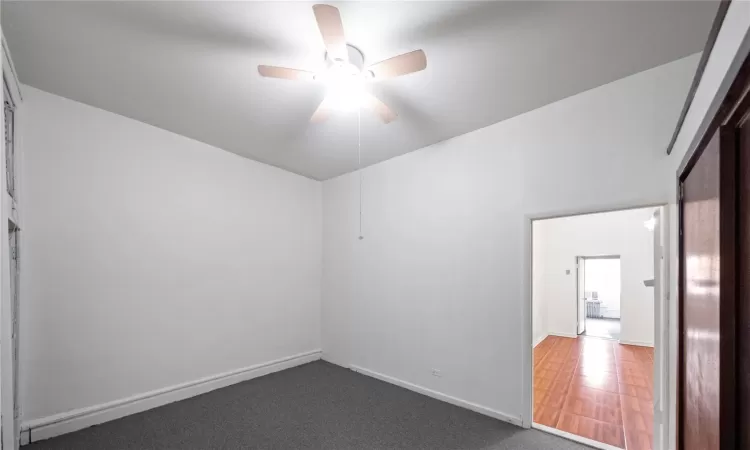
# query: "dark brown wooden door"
[714,295]
[743,316]
[701,301]
[713,227]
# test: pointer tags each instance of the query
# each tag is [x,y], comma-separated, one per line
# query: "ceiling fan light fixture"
[346,74]
[346,96]
[346,102]
[344,85]
[338,72]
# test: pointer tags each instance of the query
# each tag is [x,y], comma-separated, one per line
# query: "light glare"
[344,86]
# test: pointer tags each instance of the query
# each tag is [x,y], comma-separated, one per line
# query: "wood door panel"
[743,310]
[713,401]
[701,307]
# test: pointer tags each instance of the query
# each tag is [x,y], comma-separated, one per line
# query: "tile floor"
[595,388]
[605,328]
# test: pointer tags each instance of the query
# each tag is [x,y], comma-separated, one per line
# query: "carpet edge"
[484,410]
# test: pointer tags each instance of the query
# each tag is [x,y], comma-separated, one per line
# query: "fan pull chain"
[359,166]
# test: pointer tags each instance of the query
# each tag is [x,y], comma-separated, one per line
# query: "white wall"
[729,52]
[619,233]
[442,276]
[151,259]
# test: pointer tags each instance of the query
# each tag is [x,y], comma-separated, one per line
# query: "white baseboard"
[567,335]
[539,341]
[67,422]
[515,420]
[335,361]
[638,343]
[574,437]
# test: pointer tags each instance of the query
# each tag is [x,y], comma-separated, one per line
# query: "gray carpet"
[315,406]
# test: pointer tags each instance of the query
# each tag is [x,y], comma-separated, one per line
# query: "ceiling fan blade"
[400,65]
[287,74]
[381,109]
[332,30]
[323,112]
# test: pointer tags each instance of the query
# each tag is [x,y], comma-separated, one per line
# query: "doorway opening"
[598,291]
[597,303]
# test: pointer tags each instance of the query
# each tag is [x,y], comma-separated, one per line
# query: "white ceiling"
[191,67]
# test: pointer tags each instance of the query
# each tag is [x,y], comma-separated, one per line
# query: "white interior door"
[581,265]
[660,333]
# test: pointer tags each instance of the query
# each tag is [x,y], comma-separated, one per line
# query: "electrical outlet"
[436,373]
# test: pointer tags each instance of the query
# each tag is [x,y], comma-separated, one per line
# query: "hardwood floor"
[595,388]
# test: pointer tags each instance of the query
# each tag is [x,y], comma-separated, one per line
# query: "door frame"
[578,280]
[580,271]
[662,361]
[9,213]
[528,351]
[728,115]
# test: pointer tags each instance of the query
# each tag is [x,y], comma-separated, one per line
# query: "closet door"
[701,327]
[743,276]
[714,390]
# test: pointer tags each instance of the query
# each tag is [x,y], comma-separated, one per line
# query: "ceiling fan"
[345,74]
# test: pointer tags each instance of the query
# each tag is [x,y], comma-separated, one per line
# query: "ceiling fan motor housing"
[356,58]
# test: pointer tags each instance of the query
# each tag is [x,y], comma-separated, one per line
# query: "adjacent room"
[356,225]
[593,276]
[598,288]
[594,299]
